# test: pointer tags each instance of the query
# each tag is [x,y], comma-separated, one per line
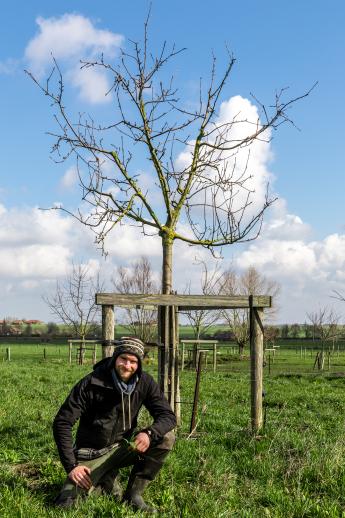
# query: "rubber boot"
[109,484]
[65,503]
[133,495]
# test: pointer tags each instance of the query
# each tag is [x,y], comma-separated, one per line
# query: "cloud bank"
[69,39]
[38,248]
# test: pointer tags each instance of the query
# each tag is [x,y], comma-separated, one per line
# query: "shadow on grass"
[30,476]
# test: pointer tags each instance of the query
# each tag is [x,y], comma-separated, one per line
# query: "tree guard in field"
[168,307]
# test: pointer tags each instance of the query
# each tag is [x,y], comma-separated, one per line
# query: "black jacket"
[99,406]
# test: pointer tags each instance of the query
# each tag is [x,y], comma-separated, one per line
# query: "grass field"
[295,468]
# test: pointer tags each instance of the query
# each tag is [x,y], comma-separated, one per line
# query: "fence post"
[177,374]
[256,362]
[182,359]
[108,329]
[70,352]
[196,393]
[168,376]
[8,354]
[214,357]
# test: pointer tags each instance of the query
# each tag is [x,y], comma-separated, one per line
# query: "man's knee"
[167,442]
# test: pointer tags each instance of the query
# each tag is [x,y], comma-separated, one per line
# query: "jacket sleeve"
[73,407]
[156,403]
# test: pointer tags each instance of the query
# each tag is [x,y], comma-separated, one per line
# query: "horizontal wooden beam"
[184,302]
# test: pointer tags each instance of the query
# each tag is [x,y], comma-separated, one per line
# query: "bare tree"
[140,321]
[74,300]
[204,194]
[251,282]
[270,335]
[211,284]
[325,325]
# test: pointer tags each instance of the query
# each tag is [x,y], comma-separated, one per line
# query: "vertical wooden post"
[182,359]
[70,352]
[94,354]
[196,394]
[82,352]
[163,361]
[195,355]
[168,378]
[108,329]
[256,364]
[80,356]
[177,374]
[214,357]
[8,353]
[172,355]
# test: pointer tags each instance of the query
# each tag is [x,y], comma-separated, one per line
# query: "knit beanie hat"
[130,345]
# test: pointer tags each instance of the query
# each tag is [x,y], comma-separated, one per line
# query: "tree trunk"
[167,244]
[167,321]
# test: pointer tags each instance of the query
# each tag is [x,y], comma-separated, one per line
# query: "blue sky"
[276,44]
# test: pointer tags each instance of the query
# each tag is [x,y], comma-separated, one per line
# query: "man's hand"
[80,475]
[142,442]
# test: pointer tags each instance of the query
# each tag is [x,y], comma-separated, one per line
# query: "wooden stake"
[214,357]
[168,377]
[182,359]
[177,375]
[108,330]
[256,361]
[196,394]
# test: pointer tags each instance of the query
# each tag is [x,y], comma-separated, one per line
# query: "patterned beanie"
[130,345]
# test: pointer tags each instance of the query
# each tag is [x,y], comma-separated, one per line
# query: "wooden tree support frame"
[168,308]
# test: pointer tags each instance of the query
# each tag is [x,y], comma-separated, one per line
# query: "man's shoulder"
[83,382]
[148,386]
[146,381]
[146,377]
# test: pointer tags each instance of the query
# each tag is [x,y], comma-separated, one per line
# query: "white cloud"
[282,225]
[92,83]
[34,261]
[38,247]
[307,270]
[70,178]
[246,167]
[71,38]
[127,242]
[27,226]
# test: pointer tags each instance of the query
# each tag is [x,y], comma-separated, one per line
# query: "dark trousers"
[105,468]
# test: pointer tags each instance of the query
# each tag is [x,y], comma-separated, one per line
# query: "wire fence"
[288,361]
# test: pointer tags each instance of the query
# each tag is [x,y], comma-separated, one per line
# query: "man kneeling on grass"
[107,402]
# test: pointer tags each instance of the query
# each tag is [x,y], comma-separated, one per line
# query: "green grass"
[295,468]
